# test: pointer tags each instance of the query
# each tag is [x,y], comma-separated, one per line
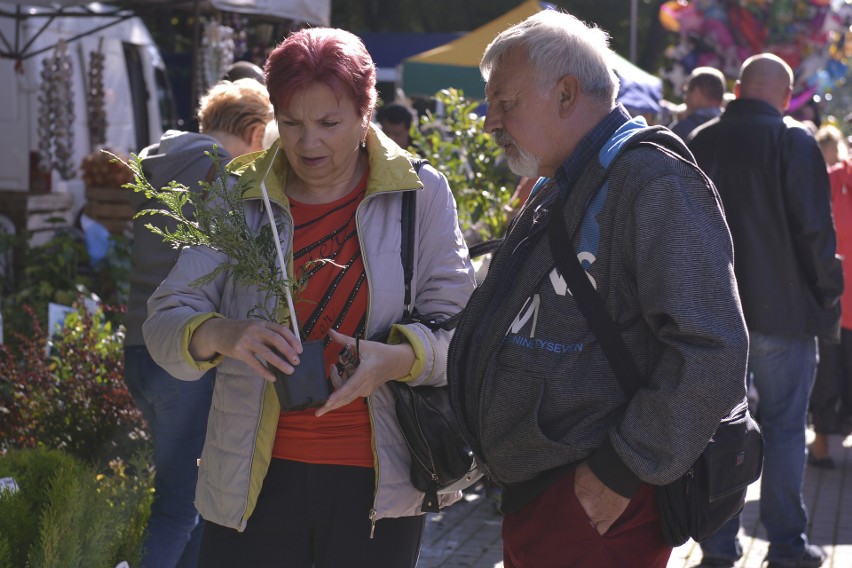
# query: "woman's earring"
[364,143]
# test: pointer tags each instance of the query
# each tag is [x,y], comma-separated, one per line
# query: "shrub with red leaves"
[67,392]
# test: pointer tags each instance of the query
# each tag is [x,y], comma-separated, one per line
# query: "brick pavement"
[467,535]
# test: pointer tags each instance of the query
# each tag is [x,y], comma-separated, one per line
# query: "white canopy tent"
[138,99]
[103,15]
[317,12]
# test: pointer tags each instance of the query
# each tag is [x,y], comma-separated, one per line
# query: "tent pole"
[634,10]
[196,64]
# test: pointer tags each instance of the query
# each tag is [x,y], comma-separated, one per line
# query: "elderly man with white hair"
[577,457]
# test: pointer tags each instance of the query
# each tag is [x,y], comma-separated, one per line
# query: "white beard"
[524,164]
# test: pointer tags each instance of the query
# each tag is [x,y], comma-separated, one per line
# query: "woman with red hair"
[328,486]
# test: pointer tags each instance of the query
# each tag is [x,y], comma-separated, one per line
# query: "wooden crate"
[110,207]
[38,214]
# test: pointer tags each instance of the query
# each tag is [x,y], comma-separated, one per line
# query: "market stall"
[101,16]
[456,64]
[78,77]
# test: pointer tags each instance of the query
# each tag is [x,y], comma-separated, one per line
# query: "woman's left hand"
[379,363]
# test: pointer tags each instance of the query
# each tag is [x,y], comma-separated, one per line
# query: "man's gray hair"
[559,44]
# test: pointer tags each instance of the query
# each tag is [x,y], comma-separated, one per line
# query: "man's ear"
[568,91]
[788,96]
[255,137]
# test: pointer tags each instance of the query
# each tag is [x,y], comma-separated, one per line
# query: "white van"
[138,101]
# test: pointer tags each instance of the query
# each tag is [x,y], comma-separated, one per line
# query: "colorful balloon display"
[812,36]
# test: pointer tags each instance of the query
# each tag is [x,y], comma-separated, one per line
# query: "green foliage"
[129,487]
[59,271]
[68,392]
[458,146]
[54,272]
[112,273]
[66,514]
[216,219]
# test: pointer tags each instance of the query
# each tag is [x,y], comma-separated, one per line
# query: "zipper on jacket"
[285,211]
[542,210]
[373,513]
[372,523]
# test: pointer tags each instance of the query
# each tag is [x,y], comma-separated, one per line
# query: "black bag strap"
[409,214]
[591,304]
[484,247]
[406,252]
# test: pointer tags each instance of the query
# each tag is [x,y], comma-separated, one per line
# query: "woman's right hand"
[254,342]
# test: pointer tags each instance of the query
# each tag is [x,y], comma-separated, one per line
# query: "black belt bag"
[713,490]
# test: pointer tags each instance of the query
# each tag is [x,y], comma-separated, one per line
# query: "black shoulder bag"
[441,461]
[713,490]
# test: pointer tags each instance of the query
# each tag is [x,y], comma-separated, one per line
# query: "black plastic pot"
[308,386]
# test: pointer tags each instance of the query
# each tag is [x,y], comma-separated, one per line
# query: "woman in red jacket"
[831,399]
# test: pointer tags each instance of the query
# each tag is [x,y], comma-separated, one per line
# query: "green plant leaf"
[458,147]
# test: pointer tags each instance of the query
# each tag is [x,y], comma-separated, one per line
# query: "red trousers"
[553,531]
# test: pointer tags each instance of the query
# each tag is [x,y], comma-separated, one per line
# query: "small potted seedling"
[215,218]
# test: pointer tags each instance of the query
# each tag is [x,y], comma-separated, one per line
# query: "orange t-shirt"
[335,297]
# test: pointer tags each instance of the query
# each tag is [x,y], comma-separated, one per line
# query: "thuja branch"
[215,218]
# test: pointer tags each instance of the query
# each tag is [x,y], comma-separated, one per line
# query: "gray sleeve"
[681,256]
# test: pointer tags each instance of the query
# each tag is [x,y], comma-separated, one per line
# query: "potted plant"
[215,218]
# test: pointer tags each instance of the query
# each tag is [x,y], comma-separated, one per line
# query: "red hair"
[331,56]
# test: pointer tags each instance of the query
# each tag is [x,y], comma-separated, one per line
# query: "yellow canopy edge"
[467,50]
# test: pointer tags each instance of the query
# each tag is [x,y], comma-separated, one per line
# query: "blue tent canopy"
[389,49]
[638,90]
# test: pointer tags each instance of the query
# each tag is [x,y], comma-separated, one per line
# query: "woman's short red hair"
[331,56]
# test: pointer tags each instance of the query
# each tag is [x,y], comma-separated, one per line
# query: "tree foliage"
[458,146]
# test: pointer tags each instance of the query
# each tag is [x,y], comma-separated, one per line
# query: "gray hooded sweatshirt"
[178,156]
